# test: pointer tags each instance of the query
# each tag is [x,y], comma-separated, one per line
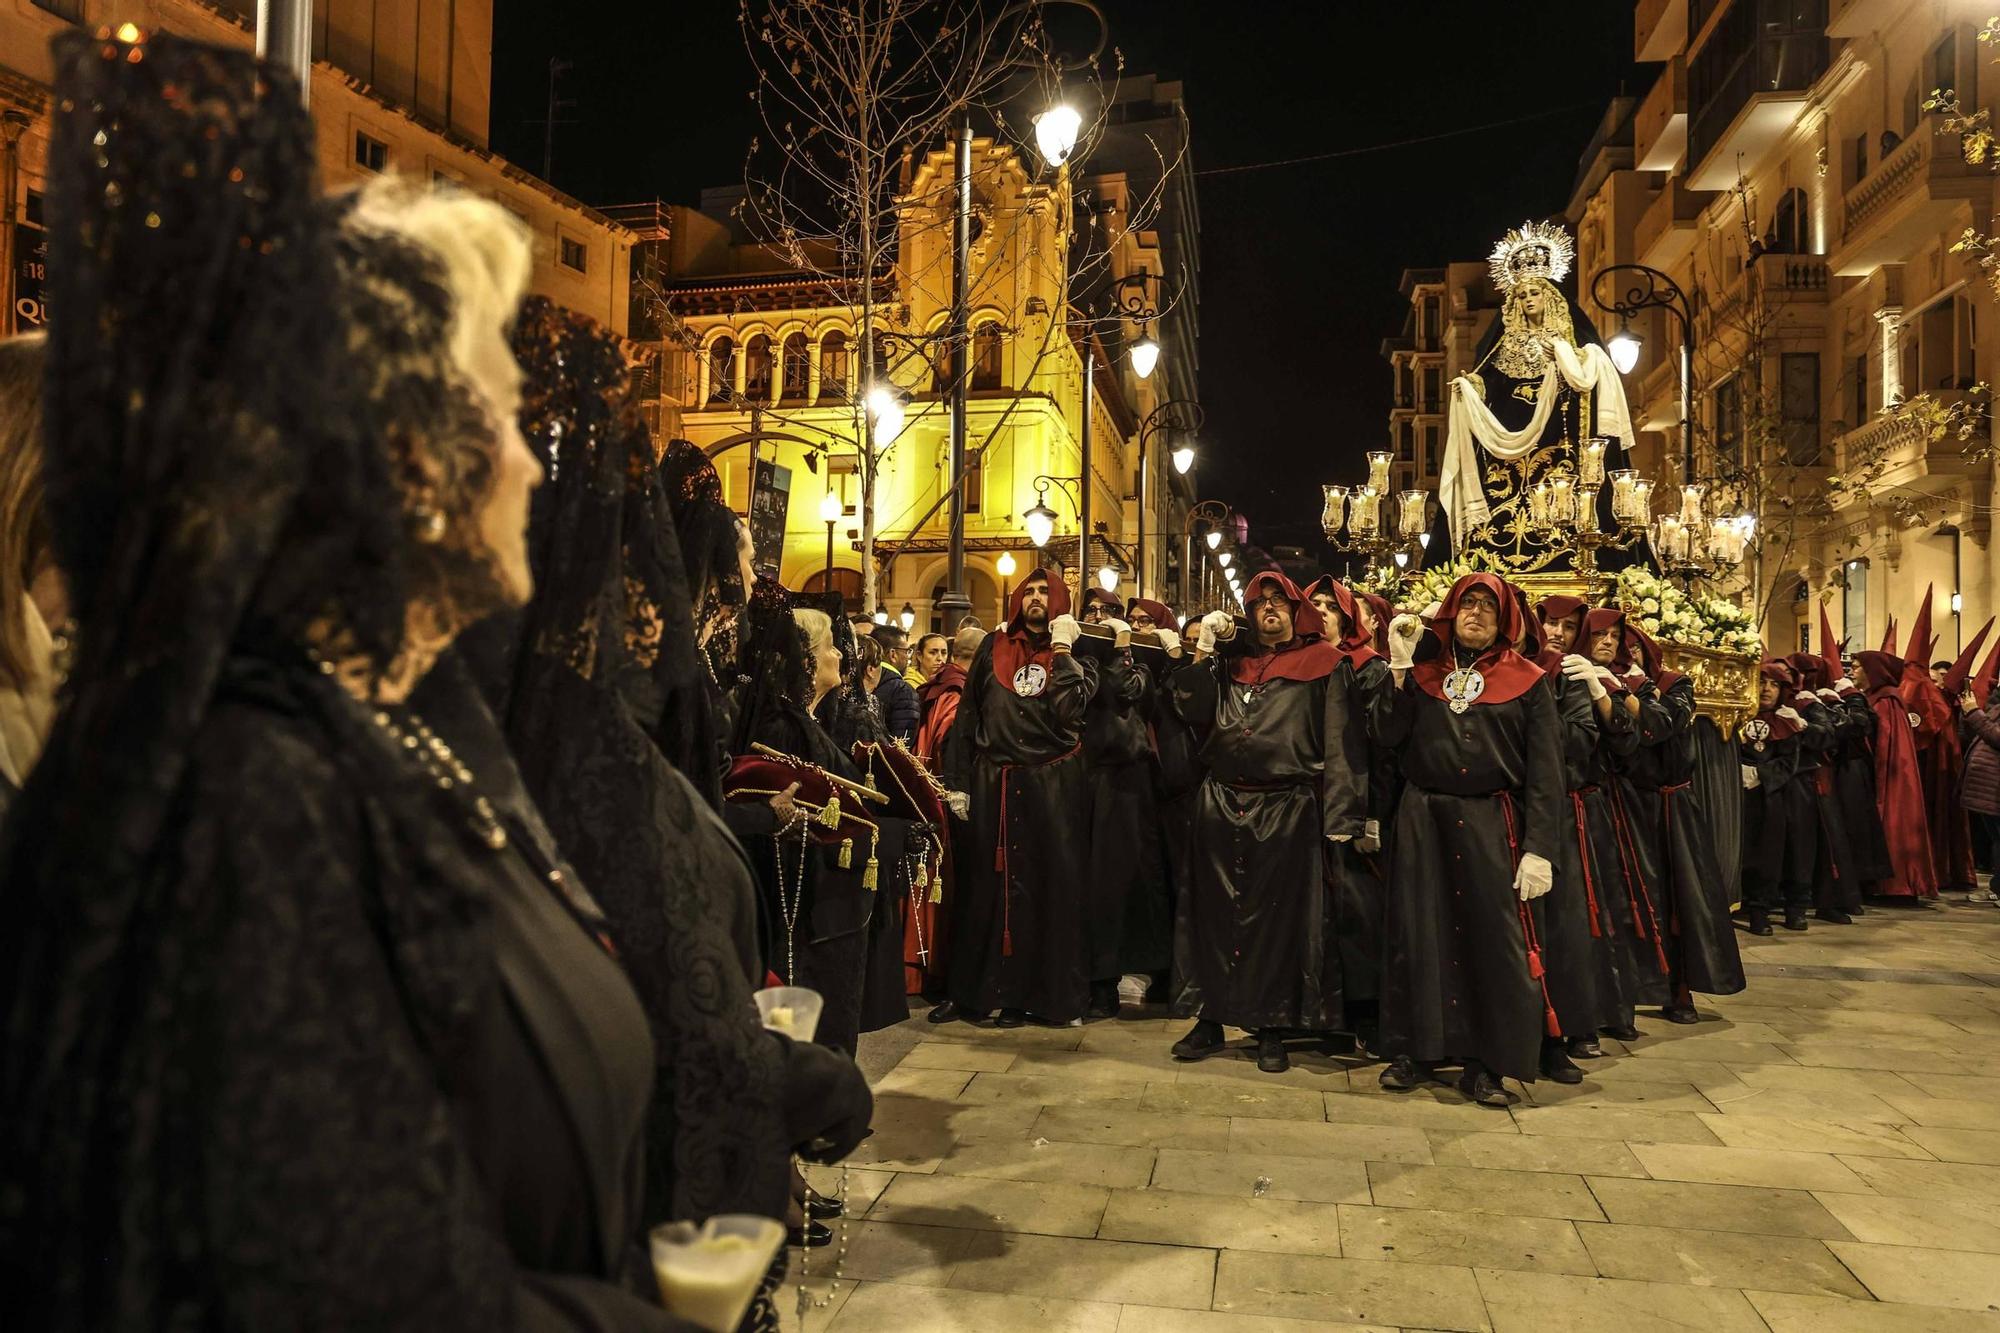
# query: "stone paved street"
[1821,1153]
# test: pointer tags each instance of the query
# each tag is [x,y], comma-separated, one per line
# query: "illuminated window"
[721,369]
[833,367]
[575,255]
[757,369]
[370,153]
[798,366]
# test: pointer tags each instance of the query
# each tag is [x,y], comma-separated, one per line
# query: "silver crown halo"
[1533,249]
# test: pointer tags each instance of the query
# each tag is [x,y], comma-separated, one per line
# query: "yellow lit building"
[1810,212]
[759,359]
[398,86]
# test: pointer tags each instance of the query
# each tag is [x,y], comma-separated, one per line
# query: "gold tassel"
[829,814]
[847,853]
[869,877]
[923,874]
[937,882]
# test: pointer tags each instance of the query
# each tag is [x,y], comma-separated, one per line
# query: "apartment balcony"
[1748,86]
[1666,232]
[1659,30]
[1660,126]
[1902,455]
[1860,18]
[1907,200]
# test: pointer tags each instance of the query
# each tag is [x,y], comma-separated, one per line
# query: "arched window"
[757,369]
[833,366]
[798,365]
[721,369]
[846,582]
[1790,226]
[987,358]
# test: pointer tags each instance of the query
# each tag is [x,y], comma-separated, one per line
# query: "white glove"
[1404,631]
[1121,629]
[1752,779]
[1212,626]
[959,803]
[1579,668]
[1791,715]
[1830,696]
[1169,641]
[1370,840]
[1535,877]
[1843,686]
[1063,631]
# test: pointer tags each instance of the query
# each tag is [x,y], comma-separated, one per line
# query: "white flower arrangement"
[1666,612]
[1427,586]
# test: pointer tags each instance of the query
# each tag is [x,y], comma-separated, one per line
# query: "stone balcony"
[1667,231]
[1660,125]
[1905,458]
[1659,29]
[1906,201]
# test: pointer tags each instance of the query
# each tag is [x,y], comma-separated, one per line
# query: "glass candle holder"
[1538,504]
[1691,502]
[1624,486]
[1642,500]
[1334,515]
[1667,537]
[1590,462]
[1364,514]
[1410,514]
[1586,508]
[1562,500]
[1378,470]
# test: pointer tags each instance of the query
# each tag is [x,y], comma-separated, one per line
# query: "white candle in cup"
[1592,465]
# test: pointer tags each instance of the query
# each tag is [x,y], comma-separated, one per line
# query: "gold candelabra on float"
[1352,518]
[1562,509]
[1693,544]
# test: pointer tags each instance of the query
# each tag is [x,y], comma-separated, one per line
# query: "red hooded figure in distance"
[1017,930]
[1899,787]
[1287,771]
[1483,812]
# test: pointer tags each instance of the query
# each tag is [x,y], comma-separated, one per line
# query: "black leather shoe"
[948,1012]
[811,1236]
[1203,1040]
[1625,1033]
[1403,1074]
[1271,1056]
[1483,1089]
[1835,915]
[1103,1000]
[1680,1013]
[1557,1065]
[1795,918]
[1010,1018]
[821,1208]
[1760,921]
[1585,1048]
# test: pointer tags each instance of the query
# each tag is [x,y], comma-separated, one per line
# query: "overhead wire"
[1364,149]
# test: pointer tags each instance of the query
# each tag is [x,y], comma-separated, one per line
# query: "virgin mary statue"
[1521,418]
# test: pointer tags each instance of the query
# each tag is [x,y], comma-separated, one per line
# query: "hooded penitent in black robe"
[1854,799]
[1287,770]
[1579,929]
[1483,787]
[1180,772]
[1018,933]
[1129,910]
[1780,817]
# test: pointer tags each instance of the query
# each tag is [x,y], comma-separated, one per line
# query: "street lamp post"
[829,514]
[1127,299]
[1214,513]
[1176,415]
[1649,289]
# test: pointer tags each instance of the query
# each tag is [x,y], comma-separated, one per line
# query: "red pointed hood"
[1880,670]
[1917,647]
[1379,608]
[1307,656]
[1889,639]
[1829,645]
[1954,679]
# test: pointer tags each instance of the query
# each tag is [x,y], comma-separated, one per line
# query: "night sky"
[1300,262]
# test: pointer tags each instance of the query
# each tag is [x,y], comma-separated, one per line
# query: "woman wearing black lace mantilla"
[306,1028]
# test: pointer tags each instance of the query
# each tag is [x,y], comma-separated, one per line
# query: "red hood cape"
[1899,788]
[1162,614]
[1379,608]
[1306,656]
[950,679]
[1642,648]
[1954,680]
[1553,610]
[1355,644]
[1923,698]
[1508,674]
[1017,646]
[1781,727]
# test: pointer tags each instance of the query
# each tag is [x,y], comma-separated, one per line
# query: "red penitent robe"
[1899,795]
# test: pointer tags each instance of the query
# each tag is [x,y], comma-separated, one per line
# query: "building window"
[370,153]
[1729,420]
[721,369]
[757,369]
[1944,67]
[798,366]
[1789,226]
[987,354]
[1405,394]
[575,255]
[1406,447]
[1433,387]
[975,482]
[1428,323]
[1430,451]
[1857,394]
[832,367]
[1857,159]
[1798,393]
[32,210]
[1854,605]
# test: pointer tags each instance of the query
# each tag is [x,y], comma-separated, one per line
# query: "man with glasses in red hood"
[1017,927]
[1484,809]
[1287,771]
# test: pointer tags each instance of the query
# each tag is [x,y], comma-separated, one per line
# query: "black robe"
[1578,926]
[1129,900]
[1481,789]
[1834,872]
[1018,937]
[1781,820]
[1854,799]
[1178,745]
[1287,769]
[1356,883]
[1677,824]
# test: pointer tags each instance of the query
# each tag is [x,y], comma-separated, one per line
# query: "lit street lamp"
[1183,458]
[1145,355]
[885,409]
[1107,578]
[1005,564]
[907,617]
[1650,289]
[1055,133]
